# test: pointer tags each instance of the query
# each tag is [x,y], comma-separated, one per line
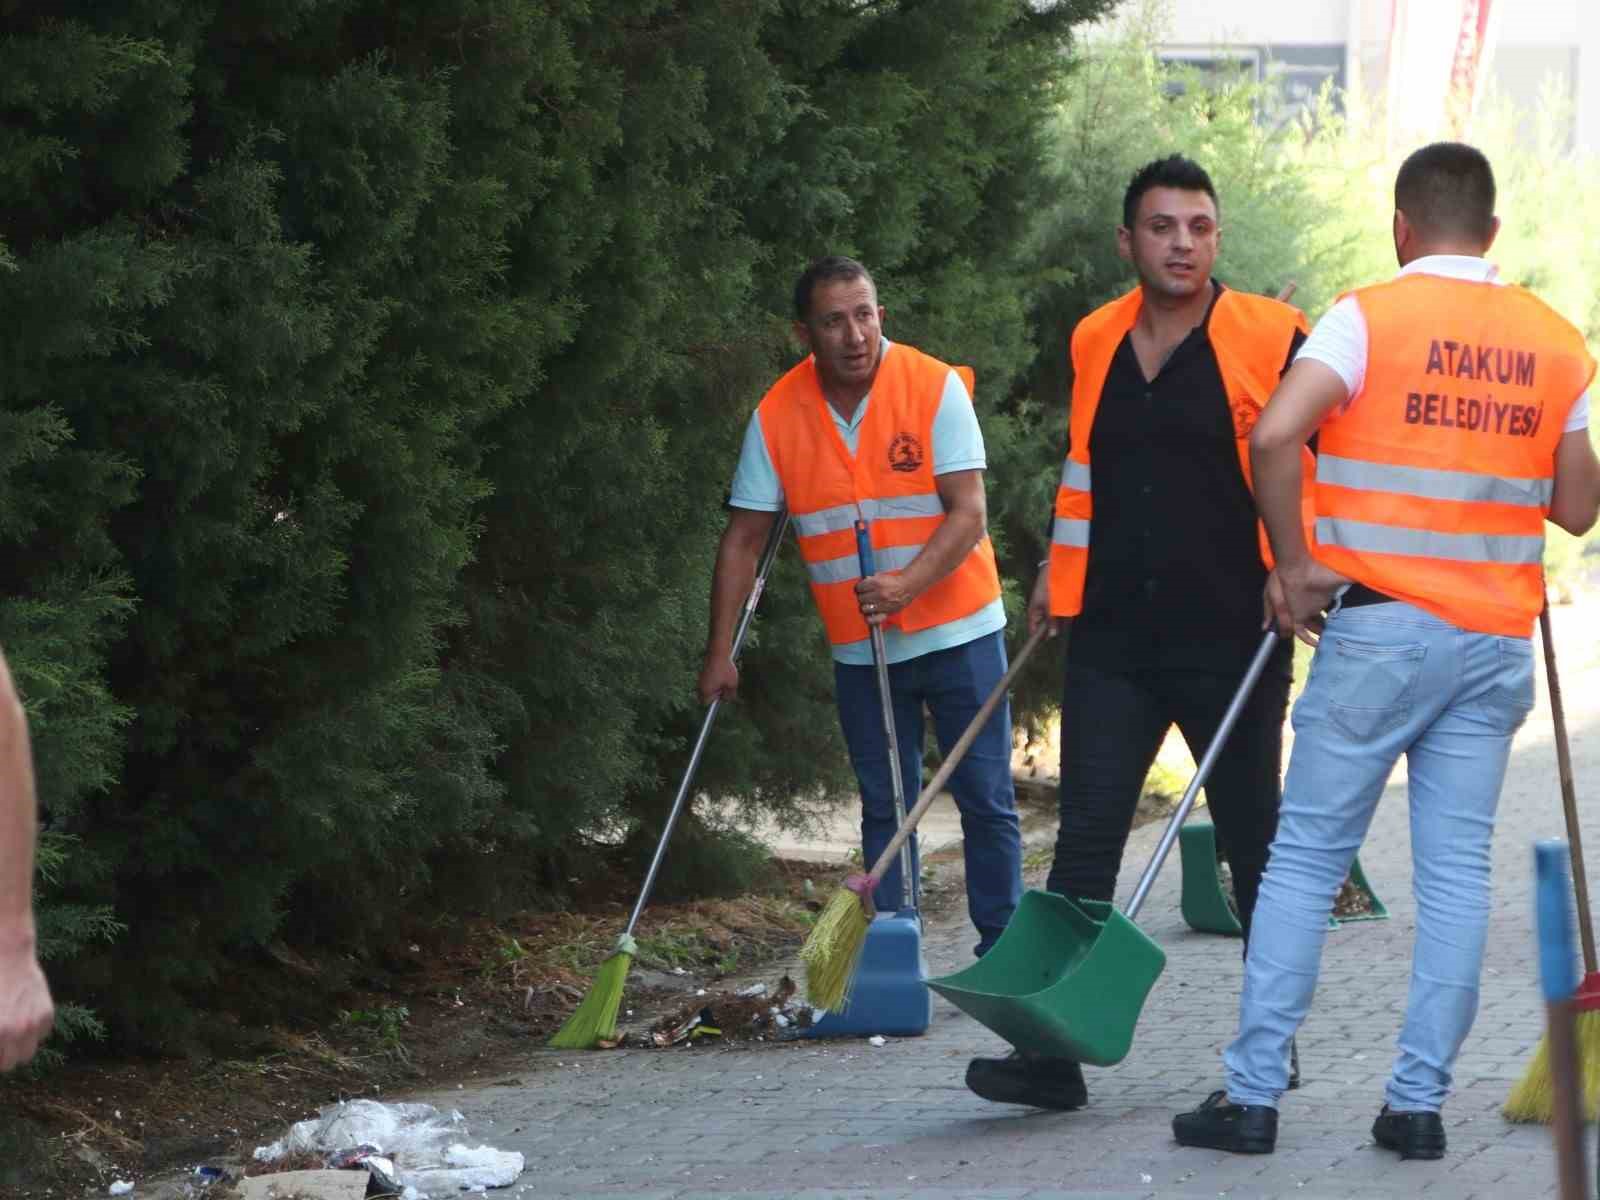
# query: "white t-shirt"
[1339,340]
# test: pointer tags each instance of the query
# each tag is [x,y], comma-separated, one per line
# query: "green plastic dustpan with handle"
[1068,979]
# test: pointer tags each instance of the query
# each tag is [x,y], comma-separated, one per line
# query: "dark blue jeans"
[953,685]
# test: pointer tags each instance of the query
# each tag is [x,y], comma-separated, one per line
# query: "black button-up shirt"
[1175,574]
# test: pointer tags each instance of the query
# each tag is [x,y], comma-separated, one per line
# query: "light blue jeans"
[1387,680]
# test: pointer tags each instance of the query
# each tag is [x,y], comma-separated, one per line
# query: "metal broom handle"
[769,555]
[1218,740]
[880,662]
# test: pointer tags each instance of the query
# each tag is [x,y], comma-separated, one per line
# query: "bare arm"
[966,518]
[1576,499]
[1299,588]
[738,554]
[26,1013]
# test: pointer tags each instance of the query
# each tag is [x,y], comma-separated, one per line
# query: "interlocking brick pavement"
[844,1119]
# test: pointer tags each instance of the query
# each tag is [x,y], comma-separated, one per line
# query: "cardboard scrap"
[305,1185]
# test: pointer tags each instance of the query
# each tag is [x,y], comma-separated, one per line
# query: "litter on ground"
[410,1148]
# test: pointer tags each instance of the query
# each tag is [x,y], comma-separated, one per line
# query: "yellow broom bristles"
[595,1019]
[1533,1098]
[833,950]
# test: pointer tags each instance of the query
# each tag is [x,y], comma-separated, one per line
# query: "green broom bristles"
[595,1020]
[1533,1098]
[833,949]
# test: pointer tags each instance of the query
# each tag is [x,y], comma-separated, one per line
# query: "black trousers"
[1112,726]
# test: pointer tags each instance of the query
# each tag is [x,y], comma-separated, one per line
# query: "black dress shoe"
[1413,1134]
[1024,1079]
[1219,1125]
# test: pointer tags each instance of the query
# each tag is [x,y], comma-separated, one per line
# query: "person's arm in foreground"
[1299,588]
[26,1013]
[738,555]
[1576,499]
[966,517]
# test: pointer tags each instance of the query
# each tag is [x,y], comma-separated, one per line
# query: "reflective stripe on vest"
[1433,483]
[1070,531]
[848,568]
[1426,543]
[1073,531]
[843,516]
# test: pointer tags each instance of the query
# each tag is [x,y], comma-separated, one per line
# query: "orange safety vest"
[1434,485]
[1250,336]
[889,481]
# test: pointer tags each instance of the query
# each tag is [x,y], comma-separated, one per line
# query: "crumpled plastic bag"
[425,1147]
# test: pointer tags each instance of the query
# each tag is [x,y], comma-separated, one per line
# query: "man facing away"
[26,1013]
[870,428]
[1156,559]
[1451,417]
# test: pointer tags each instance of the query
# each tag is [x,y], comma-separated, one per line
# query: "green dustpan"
[1204,905]
[1068,979]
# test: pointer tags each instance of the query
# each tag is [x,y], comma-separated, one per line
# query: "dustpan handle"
[769,555]
[1218,740]
[958,751]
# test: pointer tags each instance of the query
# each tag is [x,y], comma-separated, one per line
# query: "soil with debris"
[445,1004]
[1352,901]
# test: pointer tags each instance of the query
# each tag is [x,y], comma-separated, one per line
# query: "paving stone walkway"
[813,1121]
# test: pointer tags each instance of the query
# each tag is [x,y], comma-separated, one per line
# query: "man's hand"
[883,595]
[26,1013]
[1297,595]
[1039,605]
[719,678]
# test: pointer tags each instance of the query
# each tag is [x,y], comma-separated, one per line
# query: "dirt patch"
[452,1004]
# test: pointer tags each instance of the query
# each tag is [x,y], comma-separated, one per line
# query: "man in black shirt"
[1162,574]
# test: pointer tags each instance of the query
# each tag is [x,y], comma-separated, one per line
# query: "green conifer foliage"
[372,378]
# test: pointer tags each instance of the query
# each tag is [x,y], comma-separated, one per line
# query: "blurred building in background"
[1428,61]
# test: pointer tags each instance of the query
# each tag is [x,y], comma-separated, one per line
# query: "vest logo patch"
[1245,413]
[905,452]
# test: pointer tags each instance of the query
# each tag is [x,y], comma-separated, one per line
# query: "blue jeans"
[953,684]
[1387,680]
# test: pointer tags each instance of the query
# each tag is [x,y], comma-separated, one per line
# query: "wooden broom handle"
[958,751]
[1569,795]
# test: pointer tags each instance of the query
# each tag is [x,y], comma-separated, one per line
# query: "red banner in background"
[1468,67]
[1438,59]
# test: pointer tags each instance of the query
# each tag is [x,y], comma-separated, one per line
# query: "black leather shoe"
[1024,1079]
[1294,1065]
[1413,1134]
[1219,1125]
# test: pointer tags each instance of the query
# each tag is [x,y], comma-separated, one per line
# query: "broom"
[1556,980]
[595,1019]
[833,949]
[1532,1098]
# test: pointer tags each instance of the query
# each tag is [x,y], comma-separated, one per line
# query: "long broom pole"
[1569,801]
[1556,979]
[833,949]
[953,759]
[769,554]
[1532,1099]
[595,1018]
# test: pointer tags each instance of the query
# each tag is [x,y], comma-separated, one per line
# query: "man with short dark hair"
[864,427]
[1156,559]
[1451,416]
[26,1013]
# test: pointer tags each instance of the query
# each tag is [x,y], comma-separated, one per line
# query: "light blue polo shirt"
[957,446]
